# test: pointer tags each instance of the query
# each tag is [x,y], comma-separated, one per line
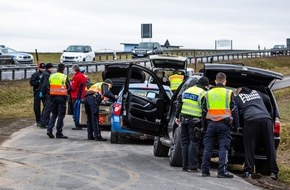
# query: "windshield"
[145,46]
[75,49]
[7,50]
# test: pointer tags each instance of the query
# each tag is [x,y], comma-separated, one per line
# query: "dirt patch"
[9,126]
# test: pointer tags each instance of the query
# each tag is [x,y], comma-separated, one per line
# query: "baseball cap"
[203,81]
[48,65]
[108,81]
[41,66]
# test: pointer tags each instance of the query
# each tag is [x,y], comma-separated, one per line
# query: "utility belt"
[97,96]
[195,125]
[186,118]
[227,121]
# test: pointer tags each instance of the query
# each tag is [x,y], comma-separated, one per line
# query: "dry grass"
[283,98]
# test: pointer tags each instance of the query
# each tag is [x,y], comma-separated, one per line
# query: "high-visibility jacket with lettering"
[175,81]
[191,101]
[97,88]
[57,83]
[218,103]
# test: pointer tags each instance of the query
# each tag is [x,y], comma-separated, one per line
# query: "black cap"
[48,65]
[203,81]
[108,81]
[42,65]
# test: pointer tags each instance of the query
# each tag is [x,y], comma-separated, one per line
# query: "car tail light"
[277,126]
[117,109]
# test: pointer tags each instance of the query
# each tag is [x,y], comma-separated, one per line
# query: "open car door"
[144,113]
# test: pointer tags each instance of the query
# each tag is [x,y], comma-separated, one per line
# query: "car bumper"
[116,128]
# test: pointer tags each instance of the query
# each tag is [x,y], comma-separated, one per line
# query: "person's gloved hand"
[40,94]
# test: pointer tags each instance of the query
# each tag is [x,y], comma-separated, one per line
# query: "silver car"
[16,56]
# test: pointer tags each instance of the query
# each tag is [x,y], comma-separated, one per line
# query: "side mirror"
[64,50]
[151,94]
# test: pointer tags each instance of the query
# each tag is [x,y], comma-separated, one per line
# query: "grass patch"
[283,98]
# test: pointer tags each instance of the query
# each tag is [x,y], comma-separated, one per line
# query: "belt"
[221,121]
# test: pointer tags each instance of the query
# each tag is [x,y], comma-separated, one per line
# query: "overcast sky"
[52,25]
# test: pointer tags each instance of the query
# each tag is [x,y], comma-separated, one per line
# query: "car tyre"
[159,149]
[175,151]
[114,138]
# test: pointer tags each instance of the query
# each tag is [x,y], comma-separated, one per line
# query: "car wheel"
[84,59]
[159,149]
[262,167]
[114,138]
[94,59]
[175,151]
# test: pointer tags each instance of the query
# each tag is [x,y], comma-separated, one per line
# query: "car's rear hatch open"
[174,62]
[238,75]
[117,72]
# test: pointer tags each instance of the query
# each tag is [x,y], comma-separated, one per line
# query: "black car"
[279,50]
[144,49]
[156,116]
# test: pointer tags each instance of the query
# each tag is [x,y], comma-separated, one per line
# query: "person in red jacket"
[76,82]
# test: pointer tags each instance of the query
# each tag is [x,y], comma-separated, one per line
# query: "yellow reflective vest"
[175,80]
[97,87]
[218,103]
[57,83]
[191,101]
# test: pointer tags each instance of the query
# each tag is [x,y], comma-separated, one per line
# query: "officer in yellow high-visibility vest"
[220,112]
[189,112]
[94,96]
[59,87]
[175,80]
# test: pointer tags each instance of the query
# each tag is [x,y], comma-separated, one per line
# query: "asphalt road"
[30,160]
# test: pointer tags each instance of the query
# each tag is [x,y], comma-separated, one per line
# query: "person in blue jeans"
[189,113]
[219,111]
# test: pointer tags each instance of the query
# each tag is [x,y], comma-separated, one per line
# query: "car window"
[75,49]
[8,50]
[145,46]
[143,92]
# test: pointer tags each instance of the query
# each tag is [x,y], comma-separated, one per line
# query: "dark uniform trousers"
[92,111]
[220,131]
[46,111]
[58,109]
[189,143]
[254,132]
[37,106]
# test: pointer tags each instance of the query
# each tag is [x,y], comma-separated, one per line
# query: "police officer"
[189,111]
[59,87]
[175,80]
[92,100]
[35,82]
[258,125]
[44,94]
[220,111]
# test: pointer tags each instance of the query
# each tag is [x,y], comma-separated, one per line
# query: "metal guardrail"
[97,65]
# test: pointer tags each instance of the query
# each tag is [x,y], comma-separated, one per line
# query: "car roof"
[238,75]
